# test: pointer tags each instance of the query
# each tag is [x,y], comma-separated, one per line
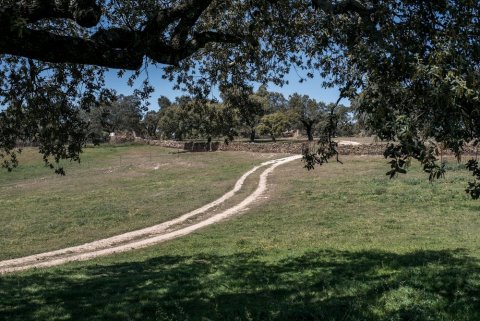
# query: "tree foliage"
[54,54]
[123,114]
[250,106]
[344,117]
[411,67]
[273,124]
[150,123]
[306,112]
[40,105]
[175,119]
[190,117]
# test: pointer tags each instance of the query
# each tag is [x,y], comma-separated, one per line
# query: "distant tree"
[346,125]
[273,124]
[212,119]
[343,118]
[306,111]
[229,121]
[124,114]
[163,102]
[175,121]
[96,131]
[197,118]
[167,118]
[250,107]
[262,91]
[150,123]
[276,102]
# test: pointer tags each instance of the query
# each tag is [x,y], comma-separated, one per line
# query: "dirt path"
[151,235]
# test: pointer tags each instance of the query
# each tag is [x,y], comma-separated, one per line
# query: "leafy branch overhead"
[409,68]
[164,34]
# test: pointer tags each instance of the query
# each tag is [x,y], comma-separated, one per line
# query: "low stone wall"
[123,138]
[366,149]
[189,146]
[286,148]
[279,147]
[164,143]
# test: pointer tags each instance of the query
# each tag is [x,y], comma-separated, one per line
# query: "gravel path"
[148,236]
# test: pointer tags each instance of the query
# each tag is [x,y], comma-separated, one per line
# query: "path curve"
[147,236]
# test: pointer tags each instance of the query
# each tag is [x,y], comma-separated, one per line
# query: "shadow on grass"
[327,285]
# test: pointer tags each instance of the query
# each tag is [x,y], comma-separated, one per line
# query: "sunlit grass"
[340,243]
[113,190]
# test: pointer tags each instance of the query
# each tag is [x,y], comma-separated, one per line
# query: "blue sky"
[312,87]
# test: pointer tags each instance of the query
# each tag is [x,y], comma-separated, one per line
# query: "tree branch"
[111,48]
[45,46]
[85,12]
[342,7]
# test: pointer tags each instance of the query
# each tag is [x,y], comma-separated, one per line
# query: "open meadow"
[113,190]
[342,242]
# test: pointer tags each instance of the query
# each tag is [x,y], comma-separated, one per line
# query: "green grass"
[113,190]
[339,243]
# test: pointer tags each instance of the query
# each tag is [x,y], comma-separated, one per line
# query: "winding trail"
[151,235]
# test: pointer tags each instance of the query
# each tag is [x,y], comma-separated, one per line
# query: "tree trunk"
[155,132]
[111,47]
[209,144]
[309,129]
[252,136]
[273,138]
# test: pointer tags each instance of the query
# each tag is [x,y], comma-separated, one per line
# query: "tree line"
[247,114]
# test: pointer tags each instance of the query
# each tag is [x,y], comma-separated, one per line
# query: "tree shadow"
[325,285]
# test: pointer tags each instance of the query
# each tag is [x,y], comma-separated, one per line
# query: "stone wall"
[122,138]
[279,147]
[165,143]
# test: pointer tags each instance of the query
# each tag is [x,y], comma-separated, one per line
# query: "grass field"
[340,243]
[113,190]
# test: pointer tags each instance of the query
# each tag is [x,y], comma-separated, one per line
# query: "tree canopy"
[411,67]
[274,124]
[306,111]
[189,118]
